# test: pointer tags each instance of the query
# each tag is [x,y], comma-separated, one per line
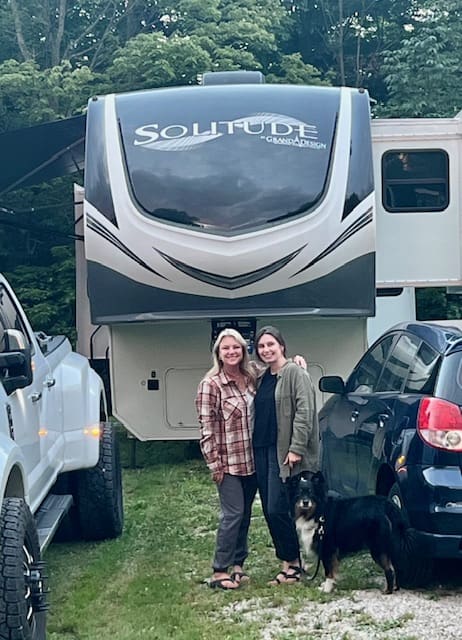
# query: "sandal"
[220,584]
[289,578]
[240,577]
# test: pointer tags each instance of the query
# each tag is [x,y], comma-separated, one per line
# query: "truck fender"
[13,476]
[84,408]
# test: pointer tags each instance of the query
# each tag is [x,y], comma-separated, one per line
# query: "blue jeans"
[236,495]
[276,499]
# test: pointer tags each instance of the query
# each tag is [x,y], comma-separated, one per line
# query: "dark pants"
[236,495]
[277,503]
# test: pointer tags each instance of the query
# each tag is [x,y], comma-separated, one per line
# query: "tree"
[292,70]
[348,38]
[48,294]
[240,34]
[153,60]
[423,76]
[50,32]
[29,96]
[211,35]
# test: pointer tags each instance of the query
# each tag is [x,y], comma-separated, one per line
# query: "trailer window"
[415,180]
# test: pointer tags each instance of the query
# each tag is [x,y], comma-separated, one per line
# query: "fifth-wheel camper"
[237,203]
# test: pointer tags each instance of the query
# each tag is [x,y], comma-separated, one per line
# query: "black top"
[266,428]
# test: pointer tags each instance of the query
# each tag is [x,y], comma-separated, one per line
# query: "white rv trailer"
[241,204]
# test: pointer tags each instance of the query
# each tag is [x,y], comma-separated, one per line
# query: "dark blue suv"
[394,428]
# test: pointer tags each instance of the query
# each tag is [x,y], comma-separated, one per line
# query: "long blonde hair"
[245,366]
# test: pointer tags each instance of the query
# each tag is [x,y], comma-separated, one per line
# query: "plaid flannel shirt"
[226,424]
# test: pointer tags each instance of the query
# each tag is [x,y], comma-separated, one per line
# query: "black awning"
[37,154]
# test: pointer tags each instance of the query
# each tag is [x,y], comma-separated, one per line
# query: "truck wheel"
[414,569]
[22,591]
[99,492]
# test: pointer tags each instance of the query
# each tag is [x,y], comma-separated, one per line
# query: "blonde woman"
[224,404]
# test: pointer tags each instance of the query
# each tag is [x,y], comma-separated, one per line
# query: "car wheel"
[414,568]
[99,492]
[22,589]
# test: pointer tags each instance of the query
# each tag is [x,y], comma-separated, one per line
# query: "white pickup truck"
[59,462]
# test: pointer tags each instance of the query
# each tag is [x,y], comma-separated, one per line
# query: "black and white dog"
[330,529]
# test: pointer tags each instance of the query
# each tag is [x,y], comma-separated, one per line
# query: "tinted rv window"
[415,180]
[228,158]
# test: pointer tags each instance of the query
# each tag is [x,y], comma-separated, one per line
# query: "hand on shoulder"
[300,361]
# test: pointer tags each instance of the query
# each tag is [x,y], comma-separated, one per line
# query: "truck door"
[50,415]
[27,408]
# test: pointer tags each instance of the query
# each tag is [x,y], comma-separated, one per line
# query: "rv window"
[226,161]
[415,180]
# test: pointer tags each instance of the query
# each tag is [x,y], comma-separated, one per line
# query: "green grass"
[149,583]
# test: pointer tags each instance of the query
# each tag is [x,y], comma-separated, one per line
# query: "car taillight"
[439,424]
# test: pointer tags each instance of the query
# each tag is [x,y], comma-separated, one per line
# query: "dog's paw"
[327,586]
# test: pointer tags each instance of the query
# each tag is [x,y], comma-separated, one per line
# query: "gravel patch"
[362,615]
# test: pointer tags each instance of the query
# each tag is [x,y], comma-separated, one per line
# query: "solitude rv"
[233,205]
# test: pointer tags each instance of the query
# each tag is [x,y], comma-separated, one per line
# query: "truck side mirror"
[332,384]
[15,340]
[16,363]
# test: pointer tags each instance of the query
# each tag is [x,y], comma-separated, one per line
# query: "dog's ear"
[319,484]
[318,478]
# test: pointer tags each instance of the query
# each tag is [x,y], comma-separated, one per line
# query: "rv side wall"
[156,368]
[418,203]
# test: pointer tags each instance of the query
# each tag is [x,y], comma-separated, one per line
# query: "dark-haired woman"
[285,443]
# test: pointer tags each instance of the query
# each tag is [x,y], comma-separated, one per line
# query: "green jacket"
[297,420]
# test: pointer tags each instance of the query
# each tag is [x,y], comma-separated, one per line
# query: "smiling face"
[270,351]
[230,352]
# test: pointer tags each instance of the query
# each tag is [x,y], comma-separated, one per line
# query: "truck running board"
[49,517]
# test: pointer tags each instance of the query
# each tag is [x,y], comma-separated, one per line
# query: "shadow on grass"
[135,454]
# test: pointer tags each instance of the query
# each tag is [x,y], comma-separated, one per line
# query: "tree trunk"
[341,61]
[58,36]
[26,54]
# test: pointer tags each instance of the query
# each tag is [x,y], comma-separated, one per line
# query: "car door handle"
[354,415]
[50,382]
[35,397]
[383,418]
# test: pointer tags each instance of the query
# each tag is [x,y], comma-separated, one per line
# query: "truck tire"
[22,591]
[414,569]
[99,499]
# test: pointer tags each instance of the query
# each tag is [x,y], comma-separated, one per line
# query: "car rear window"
[449,383]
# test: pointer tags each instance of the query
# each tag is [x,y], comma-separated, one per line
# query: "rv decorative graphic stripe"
[231,282]
[98,228]
[361,222]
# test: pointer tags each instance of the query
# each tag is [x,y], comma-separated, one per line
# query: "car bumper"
[436,545]
[432,497]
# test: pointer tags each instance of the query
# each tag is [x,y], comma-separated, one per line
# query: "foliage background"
[56,54]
